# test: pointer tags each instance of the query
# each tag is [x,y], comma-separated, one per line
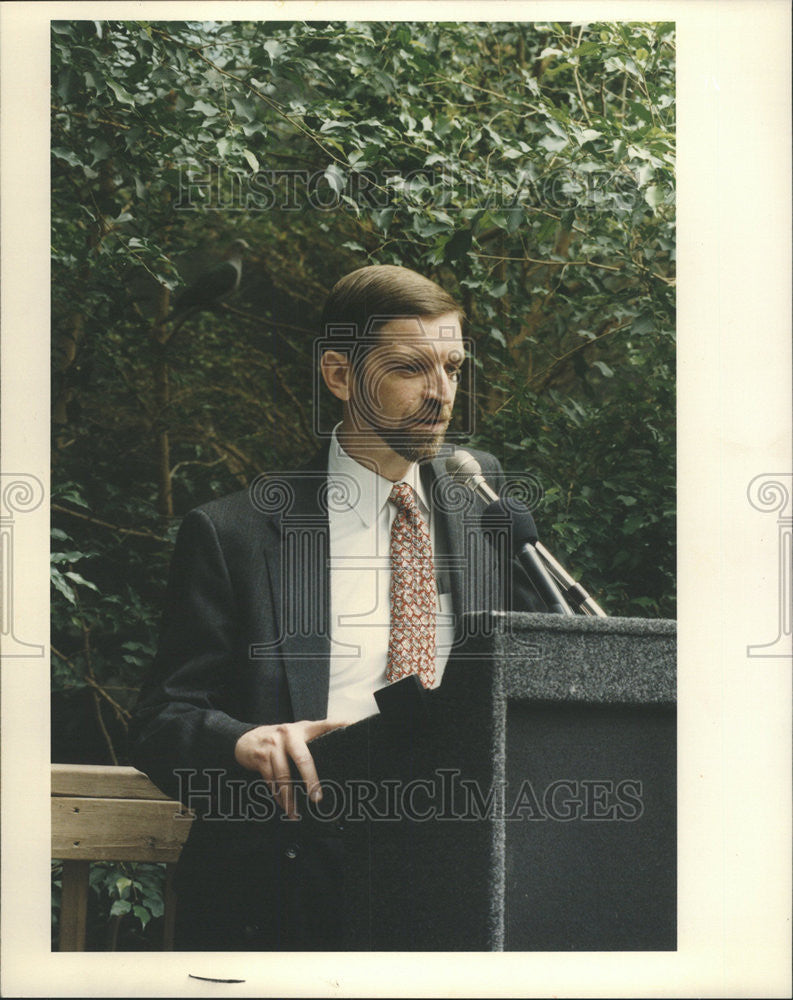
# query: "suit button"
[340,826]
[291,852]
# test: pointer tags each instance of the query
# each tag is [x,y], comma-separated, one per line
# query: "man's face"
[405,389]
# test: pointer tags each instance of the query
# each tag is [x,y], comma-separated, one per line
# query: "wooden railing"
[110,814]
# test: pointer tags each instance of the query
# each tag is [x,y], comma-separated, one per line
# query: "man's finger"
[301,755]
[317,727]
[282,778]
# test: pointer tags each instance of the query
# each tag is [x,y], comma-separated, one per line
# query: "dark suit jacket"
[245,642]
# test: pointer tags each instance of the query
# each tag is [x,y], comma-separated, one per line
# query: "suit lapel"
[450,504]
[297,551]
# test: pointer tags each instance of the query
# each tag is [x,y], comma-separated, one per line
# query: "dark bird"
[211,286]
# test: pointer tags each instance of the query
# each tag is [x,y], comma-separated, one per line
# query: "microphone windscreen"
[462,464]
[514,516]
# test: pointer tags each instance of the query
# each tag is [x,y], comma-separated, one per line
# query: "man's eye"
[454,374]
[406,368]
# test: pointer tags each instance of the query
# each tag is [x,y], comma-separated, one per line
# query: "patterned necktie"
[411,641]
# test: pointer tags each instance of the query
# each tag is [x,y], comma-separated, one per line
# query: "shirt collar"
[362,490]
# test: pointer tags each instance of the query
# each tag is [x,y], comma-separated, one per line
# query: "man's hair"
[381,292]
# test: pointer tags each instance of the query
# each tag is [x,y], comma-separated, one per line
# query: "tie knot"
[403,496]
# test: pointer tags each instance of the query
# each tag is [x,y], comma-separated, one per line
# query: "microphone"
[464,469]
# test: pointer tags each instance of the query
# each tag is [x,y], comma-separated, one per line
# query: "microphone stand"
[573,592]
[464,468]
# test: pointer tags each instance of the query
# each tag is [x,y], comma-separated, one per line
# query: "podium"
[527,804]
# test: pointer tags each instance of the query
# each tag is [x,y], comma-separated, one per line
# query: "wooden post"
[169,915]
[74,905]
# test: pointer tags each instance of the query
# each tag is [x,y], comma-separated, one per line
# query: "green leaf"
[654,196]
[273,48]
[66,155]
[632,523]
[645,323]
[66,557]
[76,578]
[207,110]
[62,586]
[120,907]
[588,135]
[604,368]
[515,217]
[498,336]
[122,95]
[335,177]
[156,906]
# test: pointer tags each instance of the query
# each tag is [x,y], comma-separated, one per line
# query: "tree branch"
[140,532]
[122,713]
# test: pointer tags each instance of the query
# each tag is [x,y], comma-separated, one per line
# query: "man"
[268,644]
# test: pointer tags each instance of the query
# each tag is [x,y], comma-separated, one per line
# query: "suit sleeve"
[183,719]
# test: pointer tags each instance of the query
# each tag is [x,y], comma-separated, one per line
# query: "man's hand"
[267,749]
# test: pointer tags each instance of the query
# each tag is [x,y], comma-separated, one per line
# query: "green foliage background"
[527,167]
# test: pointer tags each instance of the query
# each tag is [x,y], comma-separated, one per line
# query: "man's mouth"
[433,421]
[437,422]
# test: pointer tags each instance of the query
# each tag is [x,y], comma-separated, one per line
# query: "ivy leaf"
[207,110]
[644,323]
[66,155]
[654,196]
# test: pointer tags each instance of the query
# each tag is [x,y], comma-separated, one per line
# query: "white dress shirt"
[360,519]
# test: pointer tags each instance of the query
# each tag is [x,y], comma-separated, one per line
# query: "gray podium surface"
[528,803]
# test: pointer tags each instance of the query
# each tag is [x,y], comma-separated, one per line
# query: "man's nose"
[440,385]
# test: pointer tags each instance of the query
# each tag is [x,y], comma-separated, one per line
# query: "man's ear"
[337,373]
